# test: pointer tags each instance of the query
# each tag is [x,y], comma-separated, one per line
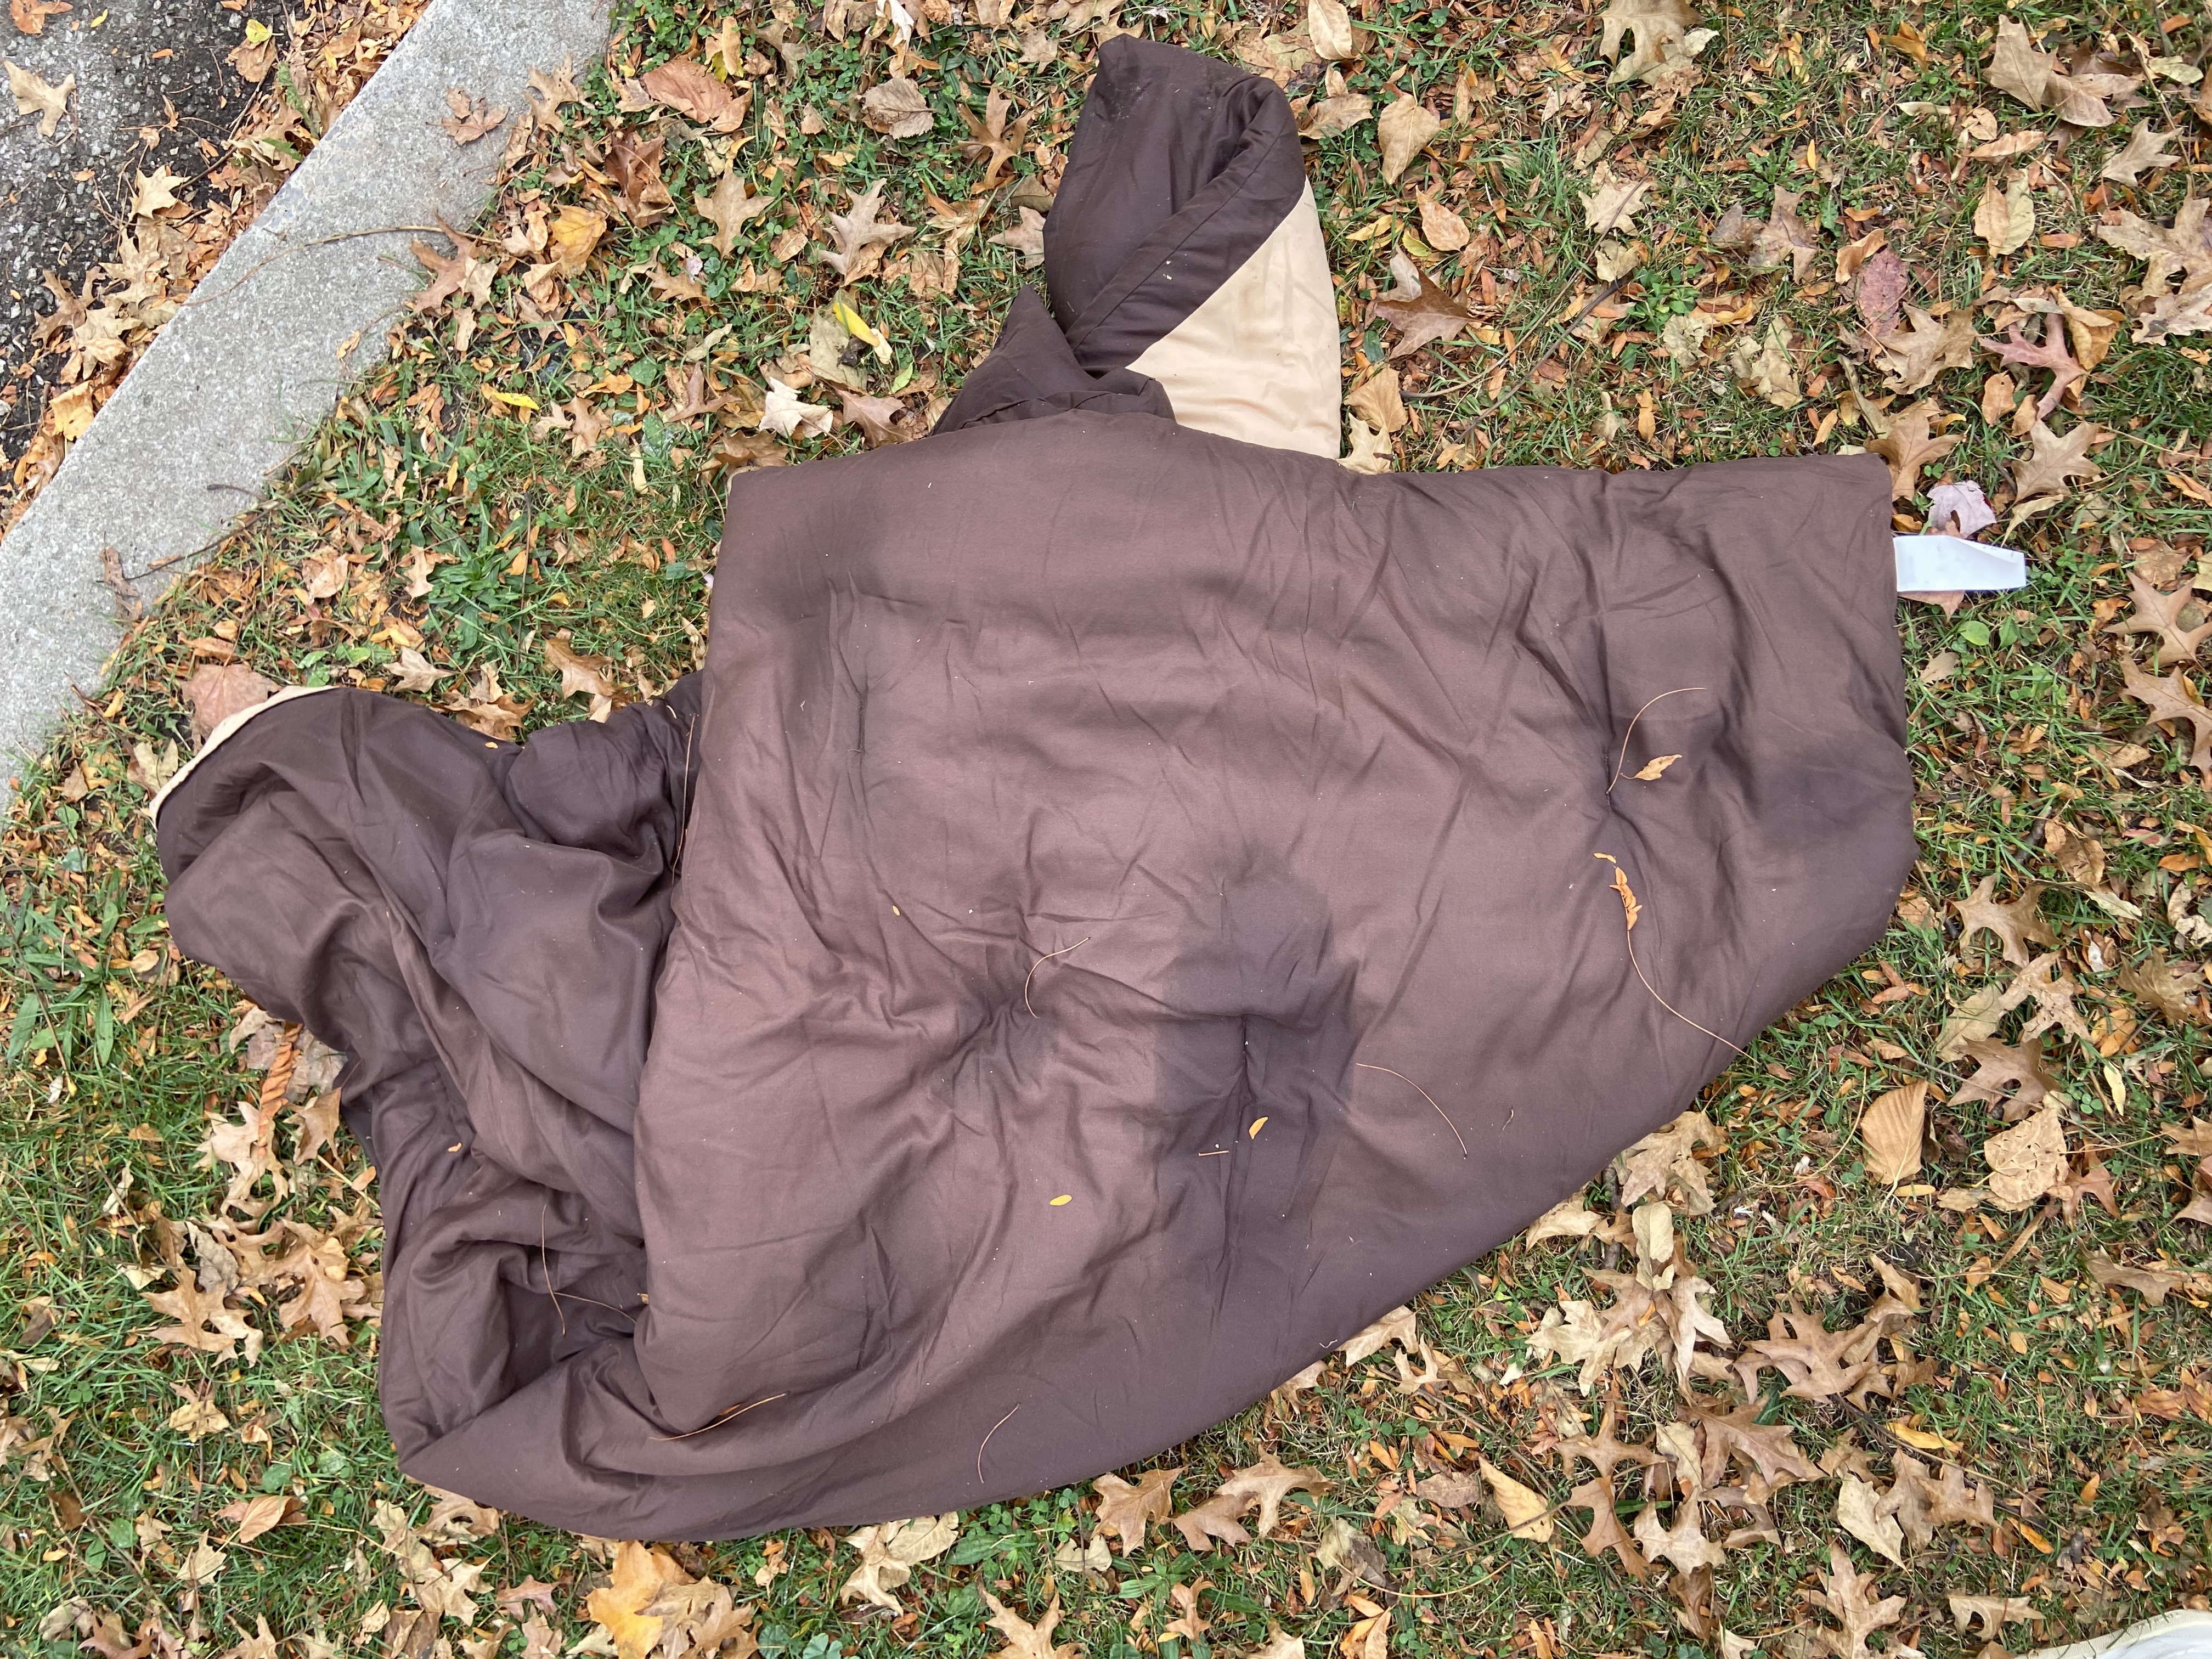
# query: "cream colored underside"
[1258,359]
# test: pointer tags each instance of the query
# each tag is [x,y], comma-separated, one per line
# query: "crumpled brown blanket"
[1127,901]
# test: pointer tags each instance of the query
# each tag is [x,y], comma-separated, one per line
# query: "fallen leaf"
[1328,26]
[2049,353]
[2145,150]
[262,1513]
[990,141]
[1128,1511]
[2152,1284]
[897,108]
[1664,1164]
[215,694]
[890,1551]
[574,232]
[727,207]
[2027,1161]
[30,15]
[860,237]
[2056,460]
[1961,508]
[2161,614]
[881,420]
[691,90]
[1893,1129]
[1655,25]
[1527,1515]
[1376,400]
[471,117]
[1024,1639]
[1853,1602]
[2017,925]
[1613,205]
[785,414]
[1908,447]
[1404,129]
[639,1575]
[1326,117]
[153,192]
[1427,316]
[1685,1543]
[40,98]
[1858,1513]
[2170,699]
[1367,449]
[1266,1483]
[1991,1612]
[1911,359]
[1785,238]
[1765,367]
[1442,228]
[2005,217]
[1606,1532]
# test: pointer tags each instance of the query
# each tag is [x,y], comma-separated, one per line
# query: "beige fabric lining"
[1258,359]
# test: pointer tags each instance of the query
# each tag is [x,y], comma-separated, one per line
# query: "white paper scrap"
[1952,564]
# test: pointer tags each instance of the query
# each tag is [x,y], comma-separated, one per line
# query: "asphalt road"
[153,88]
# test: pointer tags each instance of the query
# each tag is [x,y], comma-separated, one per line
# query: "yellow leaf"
[858,327]
[1654,766]
[1525,1511]
[256,32]
[1065,1198]
[1258,1123]
[513,398]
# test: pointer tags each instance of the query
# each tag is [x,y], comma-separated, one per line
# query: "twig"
[1040,963]
[1363,1066]
[729,1416]
[321,241]
[988,1432]
[1623,759]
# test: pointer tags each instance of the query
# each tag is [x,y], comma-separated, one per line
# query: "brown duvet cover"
[1127,902]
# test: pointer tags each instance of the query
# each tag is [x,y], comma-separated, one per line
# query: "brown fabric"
[1063,796]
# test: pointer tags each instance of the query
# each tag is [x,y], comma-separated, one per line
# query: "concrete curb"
[259,356]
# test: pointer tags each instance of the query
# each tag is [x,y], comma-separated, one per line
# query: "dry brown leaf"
[2164,614]
[1396,1326]
[1429,315]
[860,237]
[1266,1483]
[1614,205]
[1404,129]
[1328,26]
[727,207]
[574,232]
[1911,359]
[1655,25]
[1376,400]
[1685,1543]
[215,694]
[1442,228]
[471,117]
[1664,1164]
[1128,1511]
[1908,447]
[2027,1161]
[1893,1129]
[1527,1515]
[1853,1602]
[1024,1639]
[691,90]
[2056,460]
[2005,217]
[890,1551]
[1858,1512]
[2173,700]
[2017,925]
[1785,238]
[2152,1284]
[897,108]
[40,98]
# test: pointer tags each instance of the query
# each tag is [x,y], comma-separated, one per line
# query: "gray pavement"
[285,322]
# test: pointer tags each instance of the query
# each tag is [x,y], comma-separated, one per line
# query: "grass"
[116,1062]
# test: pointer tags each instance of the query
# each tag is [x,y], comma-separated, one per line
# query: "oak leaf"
[1606,1532]
[1911,359]
[471,117]
[1266,1483]
[2161,614]
[214,693]
[1818,1363]
[1396,1326]
[1998,1064]
[2152,1284]
[727,207]
[1614,205]
[1427,315]
[1685,1543]
[2017,925]
[1785,238]
[2170,988]
[1604,1451]
[1024,1639]
[1128,1510]
[44,99]
[1858,1512]
[201,1322]
[1217,1518]
[1664,1164]
[1992,1612]
[1908,447]
[2049,353]
[2055,460]
[1655,25]
[2173,700]
[2144,150]
[1853,1602]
